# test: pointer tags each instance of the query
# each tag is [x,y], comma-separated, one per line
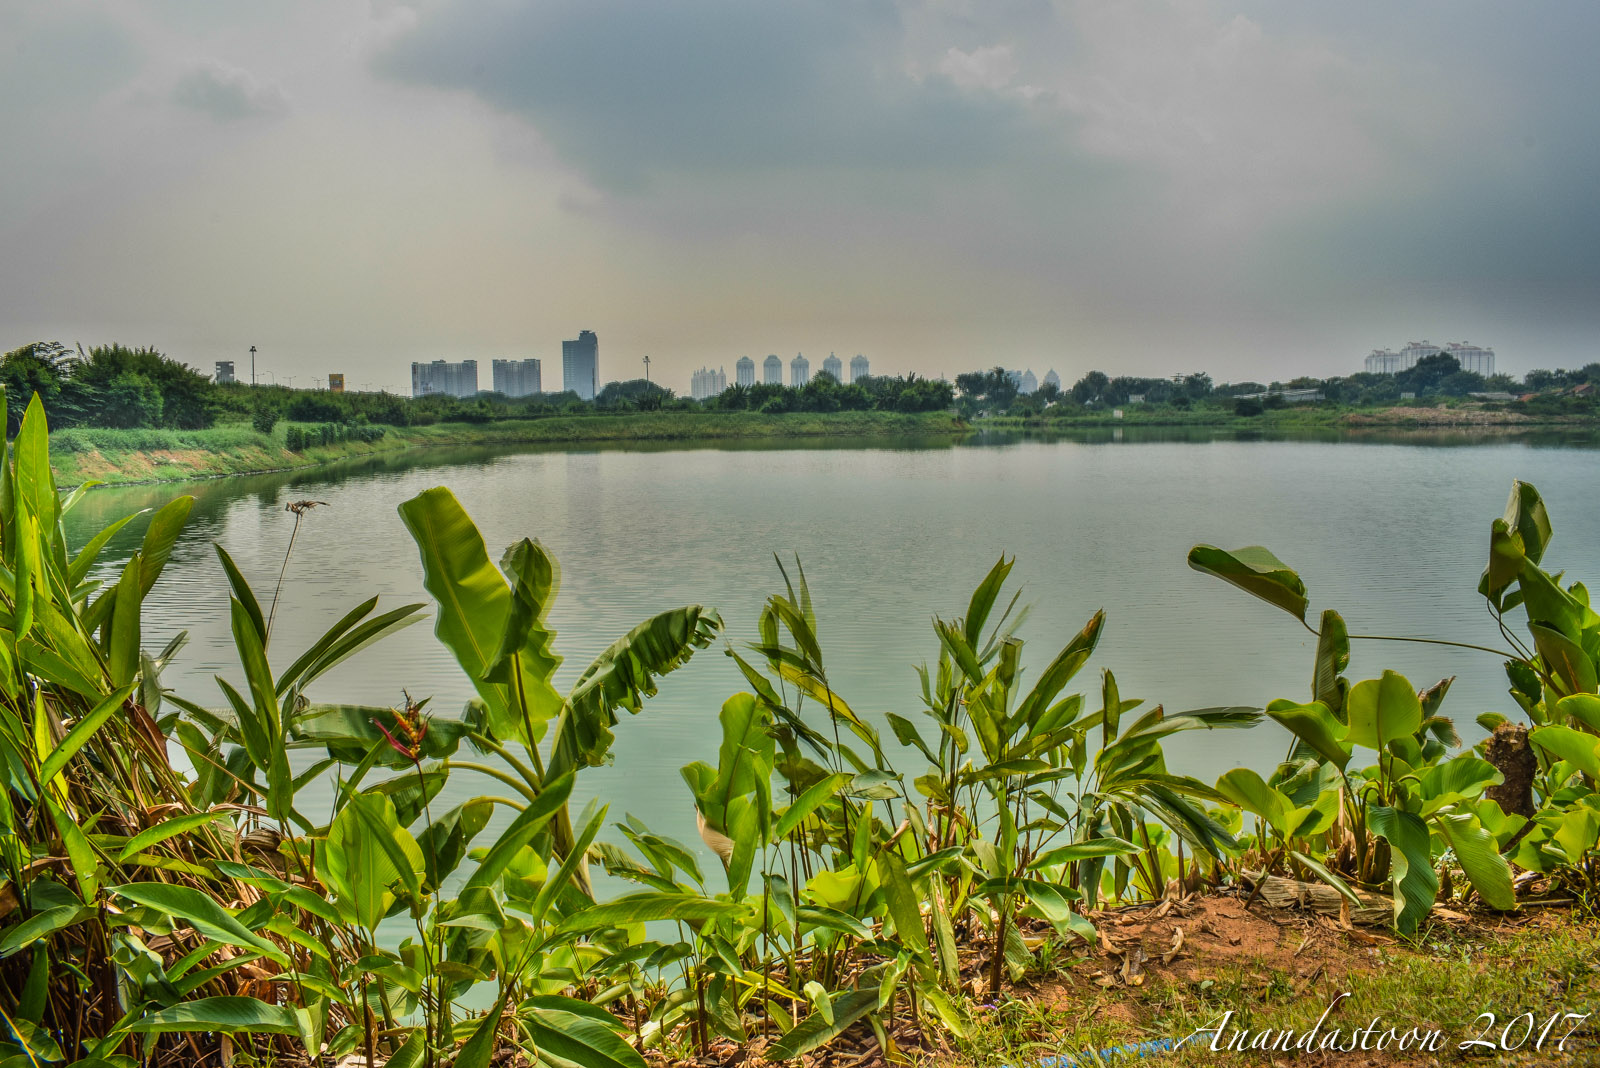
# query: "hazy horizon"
[1247,189]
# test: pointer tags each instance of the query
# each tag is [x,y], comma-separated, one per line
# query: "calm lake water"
[1393,533]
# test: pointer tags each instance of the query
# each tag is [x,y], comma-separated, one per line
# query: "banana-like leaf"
[1414,883]
[474,605]
[622,677]
[1322,872]
[903,902]
[1257,572]
[1521,534]
[370,858]
[167,829]
[1246,789]
[1382,710]
[1333,656]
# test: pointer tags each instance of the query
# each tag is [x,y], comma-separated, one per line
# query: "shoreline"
[126,458]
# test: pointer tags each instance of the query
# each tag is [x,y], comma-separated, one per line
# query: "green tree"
[129,400]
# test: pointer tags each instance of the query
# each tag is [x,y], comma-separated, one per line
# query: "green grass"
[1444,981]
[123,456]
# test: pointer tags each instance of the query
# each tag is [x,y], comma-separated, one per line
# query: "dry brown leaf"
[1177,944]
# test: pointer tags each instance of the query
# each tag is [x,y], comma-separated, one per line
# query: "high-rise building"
[224,371]
[442,376]
[518,378]
[858,367]
[1052,379]
[1470,357]
[833,366]
[706,383]
[744,372]
[1029,383]
[580,365]
[772,371]
[335,382]
[799,371]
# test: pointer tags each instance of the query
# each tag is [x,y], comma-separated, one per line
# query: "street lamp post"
[252,365]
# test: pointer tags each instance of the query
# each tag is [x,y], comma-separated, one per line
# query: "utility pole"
[252,365]
[647,369]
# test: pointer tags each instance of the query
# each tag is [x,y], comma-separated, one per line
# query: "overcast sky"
[1259,190]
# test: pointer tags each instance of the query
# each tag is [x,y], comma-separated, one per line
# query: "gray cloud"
[627,90]
[227,93]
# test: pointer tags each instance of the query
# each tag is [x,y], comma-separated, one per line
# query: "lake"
[1391,532]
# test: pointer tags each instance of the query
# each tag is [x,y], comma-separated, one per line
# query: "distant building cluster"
[771,369]
[458,379]
[518,378]
[1025,381]
[1470,357]
[706,383]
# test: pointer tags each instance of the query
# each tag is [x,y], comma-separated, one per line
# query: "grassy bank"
[1278,971]
[1307,417]
[123,456]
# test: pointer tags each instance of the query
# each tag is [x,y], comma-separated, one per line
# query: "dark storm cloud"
[628,89]
[227,93]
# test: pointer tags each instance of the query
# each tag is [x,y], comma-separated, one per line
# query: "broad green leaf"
[529,822]
[474,604]
[1246,789]
[848,1007]
[85,560]
[167,829]
[200,911]
[807,803]
[1463,778]
[1577,748]
[621,678]
[647,906]
[1333,656]
[159,538]
[41,925]
[80,734]
[1257,572]
[1382,710]
[370,857]
[578,1037]
[231,1014]
[1583,707]
[903,902]
[1093,847]
[122,659]
[1414,883]
[1316,726]
[1480,858]
[1521,534]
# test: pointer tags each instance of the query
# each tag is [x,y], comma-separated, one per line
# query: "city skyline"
[1144,188]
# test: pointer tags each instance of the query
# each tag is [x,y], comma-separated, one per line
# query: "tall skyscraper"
[858,367]
[835,367]
[1029,383]
[744,372]
[442,376]
[580,365]
[518,378]
[799,371]
[772,371]
[1052,379]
